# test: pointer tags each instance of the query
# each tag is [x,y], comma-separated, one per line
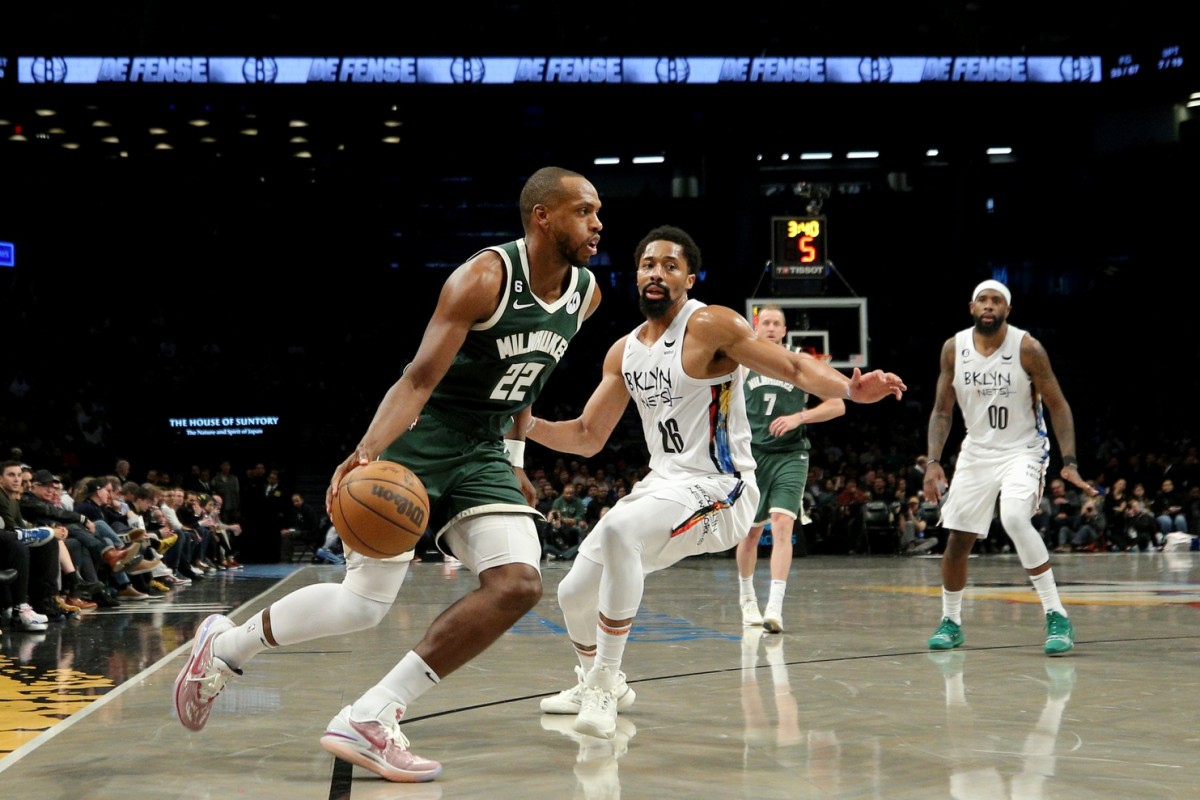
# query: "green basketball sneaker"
[1060,634]
[948,635]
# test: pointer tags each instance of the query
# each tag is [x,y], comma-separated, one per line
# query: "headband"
[997,285]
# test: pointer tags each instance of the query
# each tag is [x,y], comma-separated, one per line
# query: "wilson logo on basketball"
[404,506]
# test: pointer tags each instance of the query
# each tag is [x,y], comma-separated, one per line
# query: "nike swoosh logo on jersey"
[669,344]
[1006,358]
[518,305]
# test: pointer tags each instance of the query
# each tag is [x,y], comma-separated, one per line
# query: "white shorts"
[679,518]
[981,477]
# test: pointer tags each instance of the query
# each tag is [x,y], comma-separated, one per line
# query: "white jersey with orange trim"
[693,426]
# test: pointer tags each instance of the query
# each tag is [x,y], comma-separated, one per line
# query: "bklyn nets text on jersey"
[986,384]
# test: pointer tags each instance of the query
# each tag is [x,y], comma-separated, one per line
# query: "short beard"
[570,255]
[989,328]
[655,309]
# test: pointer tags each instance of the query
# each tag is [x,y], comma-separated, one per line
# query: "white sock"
[610,644]
[407,681]
[746,588]
[778,590]
[952,605]
[587,658]
[1047,590]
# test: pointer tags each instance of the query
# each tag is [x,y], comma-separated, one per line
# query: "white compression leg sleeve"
[361,601]
[1015,516]
[579,599]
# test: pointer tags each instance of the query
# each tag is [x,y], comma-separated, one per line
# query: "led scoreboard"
[798,247]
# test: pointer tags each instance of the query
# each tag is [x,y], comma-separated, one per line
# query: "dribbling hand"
[358,458]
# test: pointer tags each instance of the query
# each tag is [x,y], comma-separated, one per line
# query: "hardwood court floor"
[848,703]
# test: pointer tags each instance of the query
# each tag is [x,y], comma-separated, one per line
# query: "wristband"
[1070,461]
[929,461]
[848,395]
[516,452]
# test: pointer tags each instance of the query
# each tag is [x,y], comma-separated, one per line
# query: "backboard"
[833,326]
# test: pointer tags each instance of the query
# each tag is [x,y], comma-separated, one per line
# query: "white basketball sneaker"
[569,701]
[773,618]
[598,707]
[750,613]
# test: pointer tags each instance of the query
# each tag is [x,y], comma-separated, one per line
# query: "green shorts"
[463,474]
[781,479]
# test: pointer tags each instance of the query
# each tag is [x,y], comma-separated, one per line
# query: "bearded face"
[657,306]
[989,322]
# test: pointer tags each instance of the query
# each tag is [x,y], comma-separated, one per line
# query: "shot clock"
[798,247]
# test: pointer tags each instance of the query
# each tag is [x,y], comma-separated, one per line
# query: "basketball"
[381,509]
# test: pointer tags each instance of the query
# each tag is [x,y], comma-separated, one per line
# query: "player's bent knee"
[514,585]
[358,613]
[1025,538]
[375,579]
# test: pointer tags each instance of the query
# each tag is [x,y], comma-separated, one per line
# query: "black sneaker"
[105,600]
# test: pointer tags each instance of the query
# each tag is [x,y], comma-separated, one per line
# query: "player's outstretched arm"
[589,432]
[729,335]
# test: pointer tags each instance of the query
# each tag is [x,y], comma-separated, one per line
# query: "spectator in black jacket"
[301,526]
[42,505]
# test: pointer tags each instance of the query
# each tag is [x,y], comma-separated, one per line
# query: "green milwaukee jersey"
[766,399]
[506,360]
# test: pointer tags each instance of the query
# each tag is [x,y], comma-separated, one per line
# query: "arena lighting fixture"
[297,123]
[163,146]
[391,140]
[18,137]
[392,123]
[56,130]
[863,154]
[71,145]
[158,131]
[649,159]
[999,151]
[111,140]
[602,161]
[45,112]
[816,156]
[5,122]
[249,131]
[297,140]
[785,157]
[101,123]
[931,152]
[197,123]
[208,139]
[302,154]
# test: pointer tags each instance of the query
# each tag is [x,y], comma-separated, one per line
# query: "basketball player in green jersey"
[778,418]
[503,321]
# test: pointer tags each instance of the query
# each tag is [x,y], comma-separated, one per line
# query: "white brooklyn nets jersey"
[996,396]
[692,426]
